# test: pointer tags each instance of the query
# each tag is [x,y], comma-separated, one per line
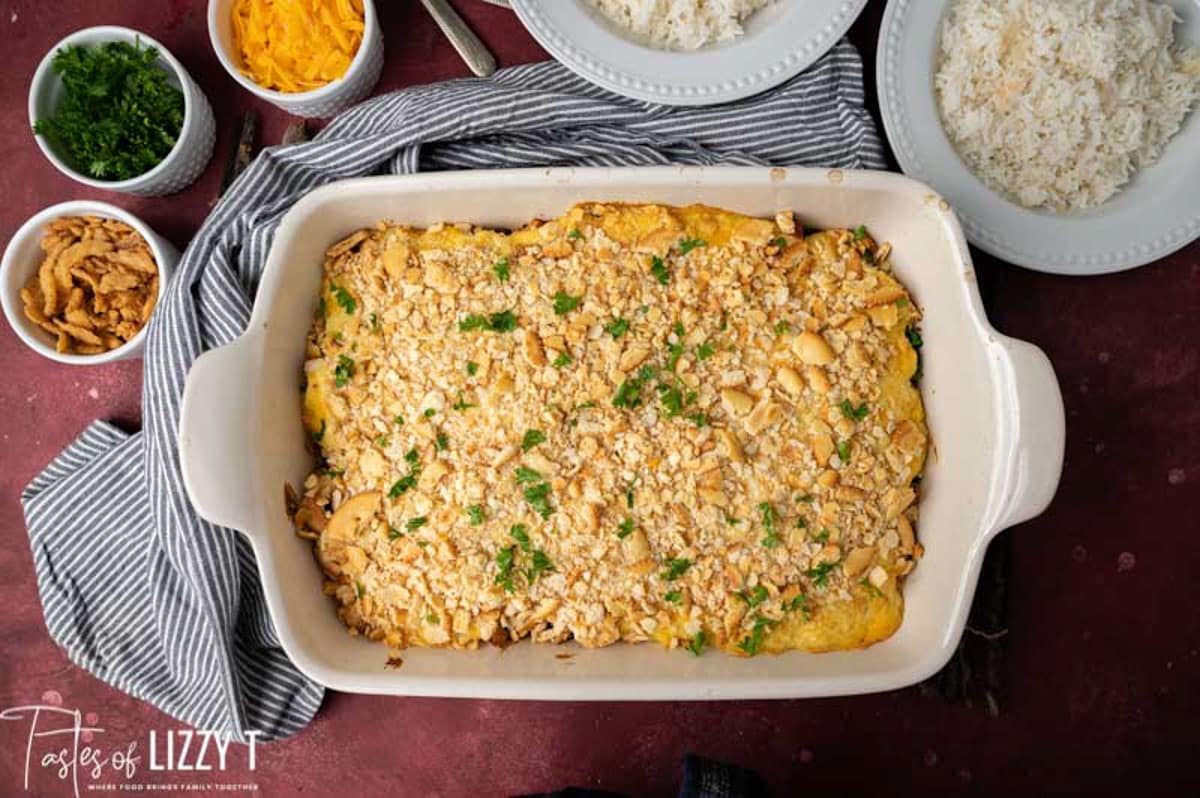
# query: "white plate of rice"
[687,52]
[1072,150]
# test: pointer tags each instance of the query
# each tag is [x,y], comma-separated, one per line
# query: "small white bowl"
[192,149]
[360,77]
[24,255]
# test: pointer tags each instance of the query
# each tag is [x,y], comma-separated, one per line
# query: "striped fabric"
[163,605]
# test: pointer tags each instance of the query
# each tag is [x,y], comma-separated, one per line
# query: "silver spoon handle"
[477,57]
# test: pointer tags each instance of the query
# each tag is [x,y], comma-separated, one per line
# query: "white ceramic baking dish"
[993,403]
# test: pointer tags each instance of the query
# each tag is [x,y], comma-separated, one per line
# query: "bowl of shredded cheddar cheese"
[309,57]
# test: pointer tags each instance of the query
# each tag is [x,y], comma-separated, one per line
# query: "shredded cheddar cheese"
[296,45]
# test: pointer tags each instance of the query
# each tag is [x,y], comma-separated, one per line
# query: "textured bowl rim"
[45,72]
[370,23]
[13,310]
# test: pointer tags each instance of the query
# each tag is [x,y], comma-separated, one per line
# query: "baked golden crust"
[632,422]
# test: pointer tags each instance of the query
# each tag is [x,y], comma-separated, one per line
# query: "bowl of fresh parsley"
[111,108]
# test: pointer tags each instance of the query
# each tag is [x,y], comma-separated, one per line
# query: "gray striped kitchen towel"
[163,605]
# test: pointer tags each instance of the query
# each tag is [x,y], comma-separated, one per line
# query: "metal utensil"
[476,56]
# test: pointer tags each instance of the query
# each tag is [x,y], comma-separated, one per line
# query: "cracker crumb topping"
[632,422]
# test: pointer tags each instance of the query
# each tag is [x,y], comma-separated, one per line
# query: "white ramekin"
[326,101]
[24,255]
[192,150]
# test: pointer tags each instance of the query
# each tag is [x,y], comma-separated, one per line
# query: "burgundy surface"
[1102,665]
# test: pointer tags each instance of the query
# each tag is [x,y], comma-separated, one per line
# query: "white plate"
[1155,214]
[779,42]
[993,404]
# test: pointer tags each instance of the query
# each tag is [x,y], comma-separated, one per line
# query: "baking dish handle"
[214,425]
[1037,432]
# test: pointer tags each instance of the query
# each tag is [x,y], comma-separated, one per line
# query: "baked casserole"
[629,423]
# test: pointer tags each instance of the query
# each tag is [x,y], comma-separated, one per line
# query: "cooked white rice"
[1057,103]
[680,24]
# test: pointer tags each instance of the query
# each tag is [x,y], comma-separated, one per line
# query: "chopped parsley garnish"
[501,270]
[432,618]
[408,481]
[779,241]
[382,441]
[319,434]
[322,308]
[442,442]
[334,472]
[699,419]
[871,589]
[416,523]
[697,644]
[860,232]
[843,451]
[359,589]
[532,438]
[575,233]
[705,351]
[822,536]
[673,596]
[343,297]
[520,533]
[801,523]
[504,321]
[504,562]
[394,533]
[472,368]
[527,475]
[769,517]
[672,400]
[541,564]
[629,394]
[617,327]
[119,115]
[820,574]
[806,498]
[625,528]
[799,602]
[565,303]
[676,567]
[462,404]
[724,320]
[902,302]
[374,317]
[659,270]
[755,597]
[399,421]
[854,413]
[753,642]
[343,371]
[686,245]
[629,497]
[562,361]
[428,412]
[538,497]
[475,513]
[782,327]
